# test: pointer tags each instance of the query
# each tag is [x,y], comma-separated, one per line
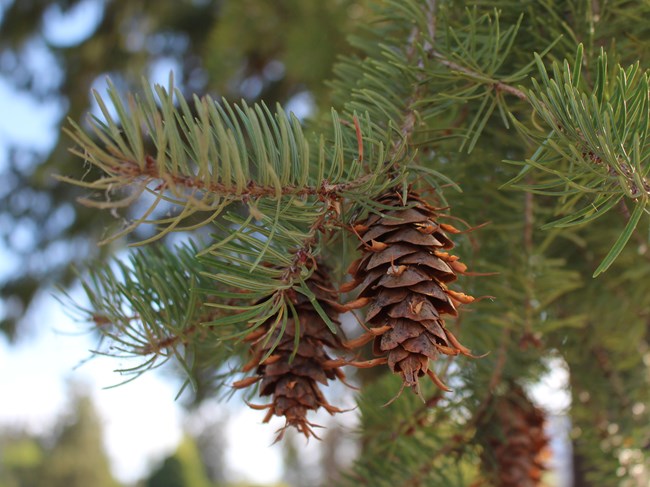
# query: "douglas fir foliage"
[529,108]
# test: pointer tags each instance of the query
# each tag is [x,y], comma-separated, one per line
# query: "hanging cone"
[293,382]
[515,446]
[403,274]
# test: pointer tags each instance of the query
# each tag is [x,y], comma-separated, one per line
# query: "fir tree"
[514,132]
[182,469]
[78,457]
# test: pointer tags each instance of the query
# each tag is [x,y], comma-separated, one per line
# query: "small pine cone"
[516,445]
[403,275]
[293,382]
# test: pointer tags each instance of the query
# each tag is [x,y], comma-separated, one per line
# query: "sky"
[142,421]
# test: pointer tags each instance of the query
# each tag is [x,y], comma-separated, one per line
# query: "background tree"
[77,456]
[182,469]
[71,456]
[22,455]
[211,442]
[537,111]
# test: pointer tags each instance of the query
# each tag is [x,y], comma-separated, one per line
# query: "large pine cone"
[403,275]
[293,382]
[516,445]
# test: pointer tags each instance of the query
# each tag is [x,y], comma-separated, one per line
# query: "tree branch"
[497,85]
[408,125]
[132,170]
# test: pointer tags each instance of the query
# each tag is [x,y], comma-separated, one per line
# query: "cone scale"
[403,275]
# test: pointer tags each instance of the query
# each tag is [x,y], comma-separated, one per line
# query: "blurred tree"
[71,457]
[55,51]
[169,474]
[211,443]
[182,469]
[296,472]
[76,457]
[21,457]
[338,452]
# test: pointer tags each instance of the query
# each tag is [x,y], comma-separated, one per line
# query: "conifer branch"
[277,201]
[135,306]
[152,173]
[213,155]
[456,64]
[408,125]
[597,145]
[480,77]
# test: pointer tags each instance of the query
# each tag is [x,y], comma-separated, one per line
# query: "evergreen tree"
[21,457]
[77,457]
[210,437]
[530,116]
[182,469]
[72,455]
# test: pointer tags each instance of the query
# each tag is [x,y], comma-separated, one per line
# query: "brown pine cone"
[516,445]
[403,276]
[291,380]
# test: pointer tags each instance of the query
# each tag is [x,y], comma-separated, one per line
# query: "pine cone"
[403,275]
[293,383]
[516,445]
